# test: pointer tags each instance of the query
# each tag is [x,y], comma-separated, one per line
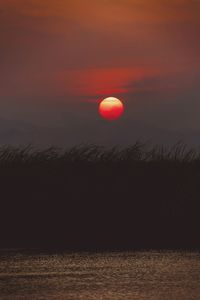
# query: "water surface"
[109,276]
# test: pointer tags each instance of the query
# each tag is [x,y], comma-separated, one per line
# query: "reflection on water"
[137,275]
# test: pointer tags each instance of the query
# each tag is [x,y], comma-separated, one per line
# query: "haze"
[59,58]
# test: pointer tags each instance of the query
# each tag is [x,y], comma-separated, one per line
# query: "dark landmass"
[89,198]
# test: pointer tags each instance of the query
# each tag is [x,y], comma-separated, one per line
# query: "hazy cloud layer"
[58,58]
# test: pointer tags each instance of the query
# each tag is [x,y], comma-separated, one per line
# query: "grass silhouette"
[92,198]
[96,154]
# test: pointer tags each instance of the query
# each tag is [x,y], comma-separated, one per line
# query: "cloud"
[58,56]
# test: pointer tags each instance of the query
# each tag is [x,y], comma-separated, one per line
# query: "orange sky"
[80,51]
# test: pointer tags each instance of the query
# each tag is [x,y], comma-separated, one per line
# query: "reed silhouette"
[92,198]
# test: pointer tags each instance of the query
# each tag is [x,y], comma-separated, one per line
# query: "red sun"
[111,108]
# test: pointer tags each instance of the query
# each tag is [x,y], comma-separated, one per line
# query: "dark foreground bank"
[88,198]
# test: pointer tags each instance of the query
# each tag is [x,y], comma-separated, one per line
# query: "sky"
[60,58]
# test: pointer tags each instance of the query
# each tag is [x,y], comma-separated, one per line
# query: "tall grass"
[138,152]
[90,197]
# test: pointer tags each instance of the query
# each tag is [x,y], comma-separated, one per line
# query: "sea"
[143,275]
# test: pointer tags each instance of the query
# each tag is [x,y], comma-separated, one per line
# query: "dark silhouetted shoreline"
[90,198]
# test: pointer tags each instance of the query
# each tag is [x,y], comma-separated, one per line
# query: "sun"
[111,108]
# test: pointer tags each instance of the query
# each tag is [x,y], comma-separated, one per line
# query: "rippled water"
[137,275]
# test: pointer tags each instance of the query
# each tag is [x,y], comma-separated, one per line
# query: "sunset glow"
[100,149]
[60,58]
[111,108]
